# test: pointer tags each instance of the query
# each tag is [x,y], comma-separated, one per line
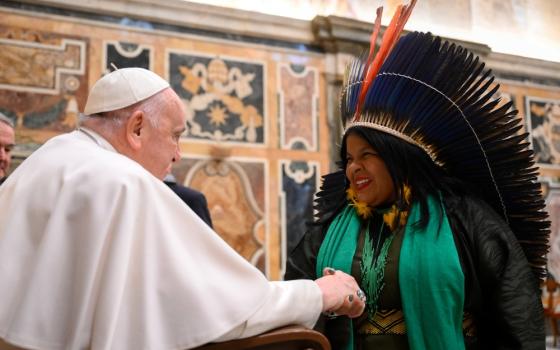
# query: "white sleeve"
[289,302]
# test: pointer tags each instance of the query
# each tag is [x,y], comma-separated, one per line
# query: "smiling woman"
[368,175]
[435,209]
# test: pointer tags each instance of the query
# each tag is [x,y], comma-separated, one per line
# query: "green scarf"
[430,275]
[338,248]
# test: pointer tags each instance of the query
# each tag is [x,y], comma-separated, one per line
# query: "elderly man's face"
[7,140]
[163,147]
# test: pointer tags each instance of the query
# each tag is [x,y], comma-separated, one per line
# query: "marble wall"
[543,121]
[540,108]
[254,113]
[43,80]
[520,27]
[262,108]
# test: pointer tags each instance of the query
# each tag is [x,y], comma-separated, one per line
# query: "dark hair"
[407,164]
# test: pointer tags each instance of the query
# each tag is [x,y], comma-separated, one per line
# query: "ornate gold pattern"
[384,322]
[226,95]
[392,322]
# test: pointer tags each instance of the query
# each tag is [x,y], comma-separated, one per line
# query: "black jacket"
[500,288]
[194,199]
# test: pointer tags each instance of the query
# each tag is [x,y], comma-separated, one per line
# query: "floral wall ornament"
[551,192]
[224,98]
[543,119]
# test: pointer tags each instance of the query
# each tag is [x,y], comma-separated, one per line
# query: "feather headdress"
[439,97]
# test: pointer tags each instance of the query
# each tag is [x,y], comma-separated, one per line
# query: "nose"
[354,167]
[3,154]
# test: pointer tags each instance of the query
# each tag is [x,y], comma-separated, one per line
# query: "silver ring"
[360,293]
[330,314]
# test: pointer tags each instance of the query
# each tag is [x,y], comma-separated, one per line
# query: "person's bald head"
[7,142]
[140,115]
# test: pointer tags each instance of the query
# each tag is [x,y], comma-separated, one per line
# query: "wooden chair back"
[286,338]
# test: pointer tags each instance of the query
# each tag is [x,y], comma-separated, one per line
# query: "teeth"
[361,182]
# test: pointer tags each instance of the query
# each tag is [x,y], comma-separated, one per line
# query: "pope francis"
[93,249]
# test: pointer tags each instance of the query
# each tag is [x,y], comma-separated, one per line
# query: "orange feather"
[390,37]
[375,33]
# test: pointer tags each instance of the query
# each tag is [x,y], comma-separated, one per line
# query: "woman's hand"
[341,294]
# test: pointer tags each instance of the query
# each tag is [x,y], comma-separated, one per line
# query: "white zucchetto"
[122,88]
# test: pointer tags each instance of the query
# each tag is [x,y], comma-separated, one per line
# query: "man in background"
[7,142]
[194,199]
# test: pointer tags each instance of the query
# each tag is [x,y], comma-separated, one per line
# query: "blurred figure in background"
[194,199]
[7,142]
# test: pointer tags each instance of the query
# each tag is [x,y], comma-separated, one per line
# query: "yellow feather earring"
[391,216]
[363,210]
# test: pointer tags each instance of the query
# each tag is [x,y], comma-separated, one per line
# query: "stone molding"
[331,34]
[194,15]
[343,36]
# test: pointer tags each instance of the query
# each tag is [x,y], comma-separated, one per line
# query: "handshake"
[341,294]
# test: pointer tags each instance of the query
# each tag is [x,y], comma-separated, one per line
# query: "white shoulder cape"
[97,253]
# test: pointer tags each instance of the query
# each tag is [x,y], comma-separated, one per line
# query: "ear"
[135,127]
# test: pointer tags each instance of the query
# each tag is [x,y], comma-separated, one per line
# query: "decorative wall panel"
[43,81]
[543,122]
[552,195]
[300,181]
[298,97]
[124,54]
[235,191]
[224,97]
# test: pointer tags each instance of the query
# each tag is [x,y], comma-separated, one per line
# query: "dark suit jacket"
[194,199]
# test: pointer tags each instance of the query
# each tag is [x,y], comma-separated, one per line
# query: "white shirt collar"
[98,139]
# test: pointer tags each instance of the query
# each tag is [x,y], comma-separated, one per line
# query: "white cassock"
[97,253]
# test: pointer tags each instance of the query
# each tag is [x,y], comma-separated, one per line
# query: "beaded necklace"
[374,259]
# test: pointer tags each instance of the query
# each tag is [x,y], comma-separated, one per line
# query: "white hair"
[111,121]
[6,120]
